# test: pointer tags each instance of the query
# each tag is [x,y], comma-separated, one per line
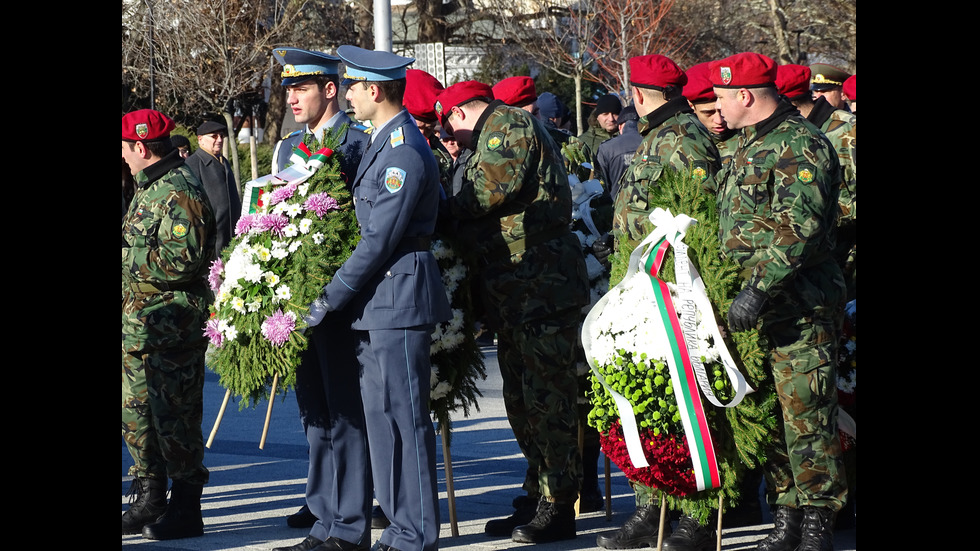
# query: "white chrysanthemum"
[263,254]
[317,238]
[279,251]
[271,279]
[294,246]
[305,225]
[441,390]
[230,332]
[254,306]
[253,273]
[290,230]
[440,250]
[293,210]
[302,189]
[283,293]
[238,304]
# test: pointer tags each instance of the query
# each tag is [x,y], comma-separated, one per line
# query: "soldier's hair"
[159,148]
[322,80]
[394,90]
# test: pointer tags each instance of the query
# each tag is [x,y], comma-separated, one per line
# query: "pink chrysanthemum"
[321,204]
[246,223]
[277,327]
[214,275]
[282,193]
[213,333]
[274,223]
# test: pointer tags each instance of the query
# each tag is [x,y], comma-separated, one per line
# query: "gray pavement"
[253,490]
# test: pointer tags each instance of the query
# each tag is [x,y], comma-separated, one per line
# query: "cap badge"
[142,130]
[726,75]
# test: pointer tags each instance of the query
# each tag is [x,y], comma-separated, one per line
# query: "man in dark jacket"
[215,172]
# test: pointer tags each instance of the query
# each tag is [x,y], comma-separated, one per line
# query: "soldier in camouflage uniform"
[514,212]
[168,238]
[840,127]
[777,201]
[701,97]
[673,139]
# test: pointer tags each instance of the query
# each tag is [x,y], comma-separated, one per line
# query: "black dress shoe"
[306,545]
[303,518]
[337,544]
[378,518]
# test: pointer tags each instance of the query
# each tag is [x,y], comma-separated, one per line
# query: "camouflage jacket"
[673,137]
[840,127]
[777,200]
[168,234]
[514,211]
[593,138]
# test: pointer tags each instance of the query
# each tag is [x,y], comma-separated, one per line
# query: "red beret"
[744,70]
[850,88]
[146,125]
[460,93]
[516,91]
[793,81]
[698,88]
[655,71]
[421,90]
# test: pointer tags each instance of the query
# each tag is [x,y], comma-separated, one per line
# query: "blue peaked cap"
[299,65]
[372,65]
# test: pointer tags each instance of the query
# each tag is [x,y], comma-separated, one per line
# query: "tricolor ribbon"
[676,328]
[302,156]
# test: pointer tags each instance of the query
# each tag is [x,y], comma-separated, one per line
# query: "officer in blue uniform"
[392,285]
[312,83]
[338,485]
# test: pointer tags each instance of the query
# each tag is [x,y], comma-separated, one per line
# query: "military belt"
[520,245]
[158,287]
[414,244]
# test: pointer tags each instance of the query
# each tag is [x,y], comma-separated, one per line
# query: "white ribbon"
[692,293]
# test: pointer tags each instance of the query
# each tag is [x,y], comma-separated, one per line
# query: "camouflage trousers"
[806,466]
[163,369]
[540,390]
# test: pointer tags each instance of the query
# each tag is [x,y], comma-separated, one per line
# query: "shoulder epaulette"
[293,133]
[361,127]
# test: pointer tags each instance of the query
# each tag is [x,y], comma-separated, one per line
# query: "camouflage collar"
[662,114]
[158,169]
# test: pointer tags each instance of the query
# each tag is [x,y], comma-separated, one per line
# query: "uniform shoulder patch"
[495,140]
[179,229]
[394,179]
[806,172]
[293,133]
[397,137]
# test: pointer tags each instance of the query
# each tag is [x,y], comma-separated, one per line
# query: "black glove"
[602,248]
[745,310]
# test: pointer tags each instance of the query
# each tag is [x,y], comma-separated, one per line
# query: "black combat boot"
[692,535]
[786,533]
[183,517]
[147,501]
[818,529]
[525,507]
[640,530]
[552,522]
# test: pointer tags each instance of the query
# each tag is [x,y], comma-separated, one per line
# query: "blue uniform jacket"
[392,280]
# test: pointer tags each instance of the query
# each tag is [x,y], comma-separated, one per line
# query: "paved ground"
[252,490]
